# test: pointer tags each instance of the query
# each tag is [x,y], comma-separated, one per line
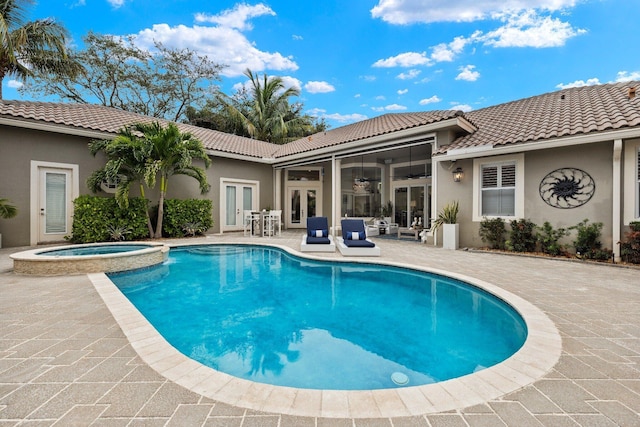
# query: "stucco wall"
[596,159]
[19,146]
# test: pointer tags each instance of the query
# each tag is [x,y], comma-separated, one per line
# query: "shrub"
[587,243]
[492,232]
[448,215]
[96,218]
[630,248]
[549,239]
[186,217]
[521,236]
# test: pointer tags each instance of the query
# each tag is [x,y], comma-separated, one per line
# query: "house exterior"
[560,157]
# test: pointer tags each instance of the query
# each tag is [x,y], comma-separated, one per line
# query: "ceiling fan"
[363,178]
[411,175]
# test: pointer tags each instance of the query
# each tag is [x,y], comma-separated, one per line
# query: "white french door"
[302,204]
[236,197]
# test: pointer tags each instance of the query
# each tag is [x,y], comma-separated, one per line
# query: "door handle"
[42,211]
[237,211]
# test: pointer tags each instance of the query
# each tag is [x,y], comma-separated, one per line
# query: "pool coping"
[539,354]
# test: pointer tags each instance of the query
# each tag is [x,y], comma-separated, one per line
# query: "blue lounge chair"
[317,237]
[354,240]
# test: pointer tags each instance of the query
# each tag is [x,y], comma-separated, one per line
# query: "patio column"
[616,199]
[277,189]
[336,200]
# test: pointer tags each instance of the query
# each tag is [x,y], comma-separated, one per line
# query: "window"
[498,190]
[498,187]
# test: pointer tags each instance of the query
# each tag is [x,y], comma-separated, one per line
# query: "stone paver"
[64,360]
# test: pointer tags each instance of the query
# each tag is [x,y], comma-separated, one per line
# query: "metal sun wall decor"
[567,188]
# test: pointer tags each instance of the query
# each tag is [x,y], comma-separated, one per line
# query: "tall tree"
[119,74]
[28,47]
[266,115]
[149,152]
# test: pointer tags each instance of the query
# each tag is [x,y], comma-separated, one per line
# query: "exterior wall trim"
[539,145]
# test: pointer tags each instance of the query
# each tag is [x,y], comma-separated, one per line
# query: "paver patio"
[65,361]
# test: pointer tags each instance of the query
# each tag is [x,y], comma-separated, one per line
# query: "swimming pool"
[262,314]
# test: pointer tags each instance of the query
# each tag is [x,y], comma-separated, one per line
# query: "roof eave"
[55,128]
[490,150]
[407,135]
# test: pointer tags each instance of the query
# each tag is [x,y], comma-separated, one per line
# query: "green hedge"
[186,217]
[95,217]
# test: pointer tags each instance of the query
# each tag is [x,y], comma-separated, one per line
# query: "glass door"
[410,205]
[237,198]
[302,204]
[55,204]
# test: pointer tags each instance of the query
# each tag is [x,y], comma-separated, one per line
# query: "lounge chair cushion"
[312,240]
[359,244]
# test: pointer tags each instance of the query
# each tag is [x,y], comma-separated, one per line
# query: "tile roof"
[385,124]
[568,112]
[104,119]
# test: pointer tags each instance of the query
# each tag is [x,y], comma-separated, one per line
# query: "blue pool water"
[94,250]
[262,314]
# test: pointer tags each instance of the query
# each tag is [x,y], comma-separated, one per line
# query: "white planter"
[450,236]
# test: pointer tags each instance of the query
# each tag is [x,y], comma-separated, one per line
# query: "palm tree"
[35,45]
[7,210]
[267,116]
[157,154]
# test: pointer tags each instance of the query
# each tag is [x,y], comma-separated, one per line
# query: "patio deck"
[64,360]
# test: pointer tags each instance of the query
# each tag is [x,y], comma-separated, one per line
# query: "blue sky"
[358,59]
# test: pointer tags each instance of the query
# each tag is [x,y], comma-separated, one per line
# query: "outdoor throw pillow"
[356,235]
[318,233]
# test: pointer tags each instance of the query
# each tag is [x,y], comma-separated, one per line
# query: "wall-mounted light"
[457,174]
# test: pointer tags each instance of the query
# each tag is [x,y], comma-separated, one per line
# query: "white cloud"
[406,59]
[579,83]
[446,52]
[368,78]
[238,17]
[318,87]
[426,11]
[411,74]
[380,98]
[115,3]
[403,91]
[287,81]
[296,37]
[14,84]
[223,43]
[443,52]
[462,107]
[390,107]
[625,76]
[357,95]
[530,30]
[431,100]
[345,118]
[467,73]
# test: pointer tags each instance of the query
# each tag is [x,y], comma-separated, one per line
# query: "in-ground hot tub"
[89,258]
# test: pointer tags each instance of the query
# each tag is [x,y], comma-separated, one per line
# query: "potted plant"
[7,210]
[448,220]
[387,211]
